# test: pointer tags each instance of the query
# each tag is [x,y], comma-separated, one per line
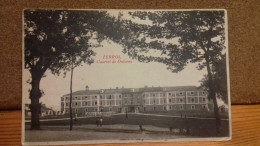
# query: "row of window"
[96,110]
[192,107]
[170,94]
[94,103]
[95,97]
[153,101]
[112,96]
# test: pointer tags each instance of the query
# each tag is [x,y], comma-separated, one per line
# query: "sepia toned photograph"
[121,76]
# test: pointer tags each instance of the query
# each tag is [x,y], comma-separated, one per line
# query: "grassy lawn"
[198,127]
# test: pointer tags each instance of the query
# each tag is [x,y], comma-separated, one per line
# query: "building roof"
[135,90]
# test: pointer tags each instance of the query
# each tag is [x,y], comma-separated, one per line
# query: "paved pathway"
[157,115]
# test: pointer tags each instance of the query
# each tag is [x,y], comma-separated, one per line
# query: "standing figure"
[76,116]
[101,122]
[97,122]
[126,116]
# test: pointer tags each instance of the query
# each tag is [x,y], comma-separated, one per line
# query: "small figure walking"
[97,122]
[101,122]
[76,116]
[126,116]
[141,127]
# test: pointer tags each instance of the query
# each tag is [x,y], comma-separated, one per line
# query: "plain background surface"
[243,29]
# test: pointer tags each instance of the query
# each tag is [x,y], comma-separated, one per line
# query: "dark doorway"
[131,109]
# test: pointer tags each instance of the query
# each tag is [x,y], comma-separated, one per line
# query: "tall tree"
[179,38]
[53,37]
[219,74]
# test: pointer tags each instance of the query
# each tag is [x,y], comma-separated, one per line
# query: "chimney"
[87,88]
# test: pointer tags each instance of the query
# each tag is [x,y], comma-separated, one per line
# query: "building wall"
[139,101]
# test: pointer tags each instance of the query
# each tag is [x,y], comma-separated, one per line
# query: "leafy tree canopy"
[54,37]
[181,37]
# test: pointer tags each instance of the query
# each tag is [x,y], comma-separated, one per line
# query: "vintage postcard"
[120,76]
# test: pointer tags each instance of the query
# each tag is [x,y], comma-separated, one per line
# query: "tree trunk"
[35,106]
[71,120]
[212,95]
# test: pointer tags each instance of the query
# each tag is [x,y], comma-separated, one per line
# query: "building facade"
[135,100]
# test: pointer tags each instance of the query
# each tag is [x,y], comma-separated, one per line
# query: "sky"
[114,73]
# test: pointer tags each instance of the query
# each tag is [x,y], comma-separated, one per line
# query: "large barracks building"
[147,99]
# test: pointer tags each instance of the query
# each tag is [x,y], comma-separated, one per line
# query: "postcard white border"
[131,141]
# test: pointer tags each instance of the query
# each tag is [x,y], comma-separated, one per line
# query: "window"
[164,108]
[100,96]
[95,102]
[110,102]
[76,103]
[204,106]
[76,110]
[119,102]
[164,100]
[153,95]
[191,93]
[154,108]
[119,96]
[180,93]
[170,107]
[86,110]
[170,93]
[110,109]
[203,93]
[95,97]
[144,109]
[62,99]
[192,106]
[181,107]
[170,100]
[203,99]
[180,99]
[86,103]
[192,100]
[109,97]
[126,102]
[67,104]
